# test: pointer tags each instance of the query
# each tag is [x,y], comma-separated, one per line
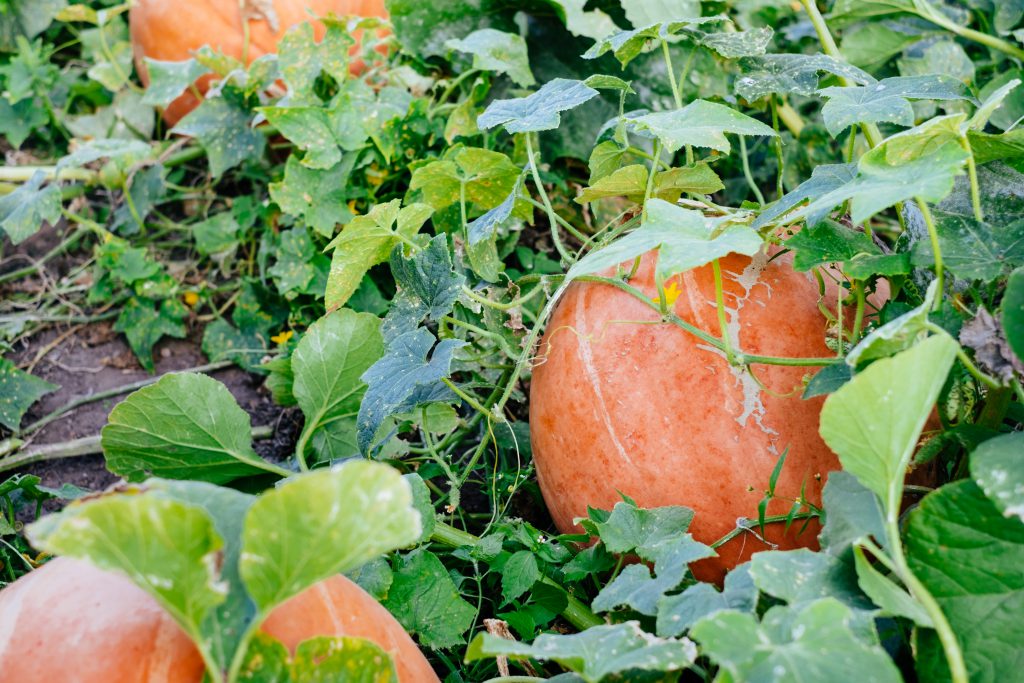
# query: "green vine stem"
[927,11]
[777,144]
[723,322]
[972,174]
[933,237]
[748,175]
[552,216]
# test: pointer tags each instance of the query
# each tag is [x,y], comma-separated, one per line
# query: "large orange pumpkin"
[69,622]
[171,30]
[618,404]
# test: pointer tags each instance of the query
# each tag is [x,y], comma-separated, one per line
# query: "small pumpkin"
[618,404]
[171,30]
[70,622]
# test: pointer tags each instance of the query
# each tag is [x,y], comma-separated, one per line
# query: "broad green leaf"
[874,421]
[644,12]
[185,426]
[871,45]
[168,548]
[427,603]
[147,188]
[497,51]
[852,512]
[539,111]
[217,234]
[827,380]
[1013,312]
[828,242]
[18,391]
[308,128]
[428,287]
[678,613]
[168,80]
[685,239]
[225,131]
[328,363]
[969,557]
[801,576]
[992,102]
[896,335]
[483,228]
[789,646]
[629,528]
[299,268]
[791,74]
[26,18]
[317,196]
[894,600]
[23,212]
[628,181]
[972,249]
[593,24]
[369,240]
[596,653]
[423,28]
[321,523]
[317,660]
[223,341]
[404,379]
[126,151]
[145,322]
[421,501]
[998,468]
[518,575]
[700,124]
[17,121]
[887,101]
[631,182]
[735,44]
[628,45]
[488,178]
[824,179]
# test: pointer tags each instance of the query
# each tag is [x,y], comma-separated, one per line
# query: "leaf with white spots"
[873,422]
[596,653]
[18,391]
[628,45]
[168,80]
[810,644]
[802,576]
[791,74]
[997,465]
[225,131]
[700,124]
[24,211]
[678,613]
[321,523]
[540,111]
[497,51]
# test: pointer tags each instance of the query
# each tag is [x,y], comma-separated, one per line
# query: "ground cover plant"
[595,340]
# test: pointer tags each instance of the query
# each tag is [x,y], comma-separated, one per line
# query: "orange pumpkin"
[171,30]
[69,622]
[618,404]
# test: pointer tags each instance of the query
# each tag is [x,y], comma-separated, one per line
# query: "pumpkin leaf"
[316,195]
[184,426]
[429,287]
[1013,312]
[321,523]
[352,660]
[24,211]
[327,364]
[853,512]
[700,124]
[497,51]
[685,239]
[875,443]
[224,130]
[801,576]
[678,613]
[828,242]
[824,179]
[894,600]
[596,653]
[427,603]
[997,468]
[630,44]
[973,249]
[791,74]
[18,391]
[539,111]
[145,322]
[168,80]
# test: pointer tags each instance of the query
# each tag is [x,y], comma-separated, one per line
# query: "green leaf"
[871,45]
[968,555]
[17,121]
[185,426]
[428,287]
[421,500]
[127,151]
[317,196]
[631,182]
[18,391]
[1013,312]
[217,234]
[147,188]
[222,341]
[997,467]
[225,131]
[678,613]
[828,242]
[594,24]
[896,335]
[824,179]
[791,74]
[489,177]
[168,80]
[628,45]
[630,528]
[700,124]
[340,660]
[539,111]
[685,239]
[874,421]
[483,228]
[644,12]
[321,523]
[328,363]
[972,249]
[145,322]
[23,212]
[426,602]
[368,240]
[168,548]
[518,575]
[26,18]
[404,379]
[497,51]
[887,101]
[423,28]
[299,269]
[827,380]
[790,645]
[596,653]
[894,600]
[801,576]
[852,513]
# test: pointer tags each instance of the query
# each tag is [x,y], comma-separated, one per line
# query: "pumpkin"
[70,622]
[620,405]
[171,30]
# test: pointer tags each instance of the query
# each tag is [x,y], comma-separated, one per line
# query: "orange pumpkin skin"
[69,622]
[652,412]
[171,30]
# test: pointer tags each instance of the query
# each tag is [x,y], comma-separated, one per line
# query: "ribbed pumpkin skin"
[68,622]
[170,30]
[651,411]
